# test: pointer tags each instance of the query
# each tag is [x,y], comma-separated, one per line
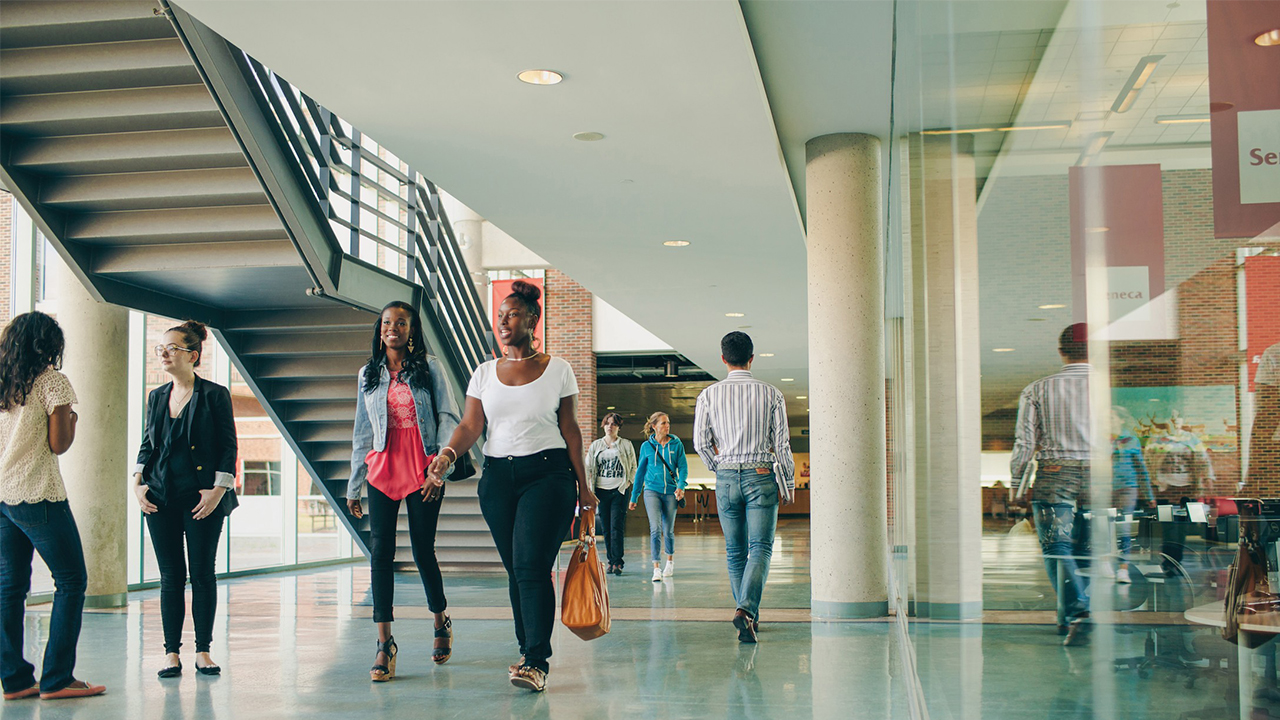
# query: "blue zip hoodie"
[651,474]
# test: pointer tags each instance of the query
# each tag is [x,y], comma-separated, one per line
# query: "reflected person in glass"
[404,412]
[184,481]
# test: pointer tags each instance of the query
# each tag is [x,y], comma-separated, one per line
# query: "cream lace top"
[28,468]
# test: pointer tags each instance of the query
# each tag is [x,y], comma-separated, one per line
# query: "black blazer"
[210,430]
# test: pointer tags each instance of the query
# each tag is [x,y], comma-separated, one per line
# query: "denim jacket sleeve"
[361,443]
[447,415]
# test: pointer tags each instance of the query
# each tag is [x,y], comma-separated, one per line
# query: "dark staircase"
[178,177]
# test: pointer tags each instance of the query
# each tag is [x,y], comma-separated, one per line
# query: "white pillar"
[948,417]
[846,376]
[96,467]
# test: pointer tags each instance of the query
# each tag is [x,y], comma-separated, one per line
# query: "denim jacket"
[435,425]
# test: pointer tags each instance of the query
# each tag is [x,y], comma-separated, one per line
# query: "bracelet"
[455,453]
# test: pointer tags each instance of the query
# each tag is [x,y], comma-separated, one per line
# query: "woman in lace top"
[37,424]
[405,411]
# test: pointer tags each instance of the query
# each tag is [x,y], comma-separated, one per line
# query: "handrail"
[380,210]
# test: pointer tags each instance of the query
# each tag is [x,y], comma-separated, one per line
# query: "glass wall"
[1102,168]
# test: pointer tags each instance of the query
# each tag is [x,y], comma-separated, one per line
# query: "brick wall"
[569,335]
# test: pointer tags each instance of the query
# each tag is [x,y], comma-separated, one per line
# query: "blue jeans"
[747,503]
[47,528]
[661,509]
[1060,538]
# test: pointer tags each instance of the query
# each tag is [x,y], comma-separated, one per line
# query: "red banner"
[500,289]
[1119,208]
[1262,306]
[1244,83]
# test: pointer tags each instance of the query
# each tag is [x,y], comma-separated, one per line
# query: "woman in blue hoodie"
[661,475]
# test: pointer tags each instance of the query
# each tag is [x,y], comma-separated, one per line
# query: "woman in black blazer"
[184,482]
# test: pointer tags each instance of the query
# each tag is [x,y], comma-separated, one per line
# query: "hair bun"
[526,290]
[197,328]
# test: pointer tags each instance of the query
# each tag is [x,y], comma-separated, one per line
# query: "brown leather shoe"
[745,625]
[77,689]
[19,694]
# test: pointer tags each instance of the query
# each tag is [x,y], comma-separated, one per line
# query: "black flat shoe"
[209,670]
[170,672]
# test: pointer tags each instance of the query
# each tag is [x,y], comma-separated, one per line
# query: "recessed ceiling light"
[1182,119]
[802,397]
[788,379]
[676,243]
[588,136]
[735,314]
[766,354]
[1051,307]
[1002,350]
[1269,38]
[540,77]
[611,407]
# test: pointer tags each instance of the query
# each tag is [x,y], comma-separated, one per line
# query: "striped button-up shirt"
[1053,420]
[744,420]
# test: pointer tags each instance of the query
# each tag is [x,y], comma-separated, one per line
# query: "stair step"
[206,256]
[462,524]
[309,367]
[453,554]
[153,150]
[471,568]
[96,66]
[309,412]
[328,451]
[461,506]
[313,344]
[338,317]
[325,432]
[165,107]
[44,22]
[152,190]
[173,225]
[324,389]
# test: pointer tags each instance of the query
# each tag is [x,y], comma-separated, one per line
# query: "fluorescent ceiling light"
[1051,307]
[766,354]
[540,77]
[1098,229]
[1000,127]
[788,379]
[676,243]
[611,407]
[802,397]
[1137,79]
[1093,147]
[735,314]
[1180,119]
[1270,38]
[1002,350]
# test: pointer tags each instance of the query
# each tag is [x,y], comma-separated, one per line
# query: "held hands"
[437,470]
[433,488]
[140,492]
[209,500]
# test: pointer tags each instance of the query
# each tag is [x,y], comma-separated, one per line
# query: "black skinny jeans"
[167,526]
[423,518]
[528,503]
[612,523]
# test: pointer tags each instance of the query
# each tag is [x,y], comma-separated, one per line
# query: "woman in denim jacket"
[661,475]
[404,413]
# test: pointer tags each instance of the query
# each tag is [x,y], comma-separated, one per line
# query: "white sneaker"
[1122,576]
[657,575]
[670,569]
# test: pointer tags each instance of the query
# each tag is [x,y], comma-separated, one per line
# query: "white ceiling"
[690,150]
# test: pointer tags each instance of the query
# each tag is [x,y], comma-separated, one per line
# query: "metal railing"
[379,209]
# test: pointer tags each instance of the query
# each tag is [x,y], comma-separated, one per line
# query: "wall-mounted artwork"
[1189,435]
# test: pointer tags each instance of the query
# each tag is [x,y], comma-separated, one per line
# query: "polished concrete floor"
[299,644]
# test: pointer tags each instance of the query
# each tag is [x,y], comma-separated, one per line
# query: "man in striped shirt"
[1053,428]
[740,431]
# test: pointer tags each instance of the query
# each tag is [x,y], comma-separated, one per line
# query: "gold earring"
[410,346]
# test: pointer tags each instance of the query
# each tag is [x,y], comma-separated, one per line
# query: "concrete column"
[947,386]
[468,227]
[846,376]
[96,467]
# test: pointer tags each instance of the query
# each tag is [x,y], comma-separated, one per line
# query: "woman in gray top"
[611,464]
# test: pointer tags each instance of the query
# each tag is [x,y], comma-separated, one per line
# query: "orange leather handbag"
[585,605]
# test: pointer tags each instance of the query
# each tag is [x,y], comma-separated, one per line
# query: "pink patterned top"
[400,469]
[401,413]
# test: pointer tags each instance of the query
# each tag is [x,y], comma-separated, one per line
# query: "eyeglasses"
[170,349]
